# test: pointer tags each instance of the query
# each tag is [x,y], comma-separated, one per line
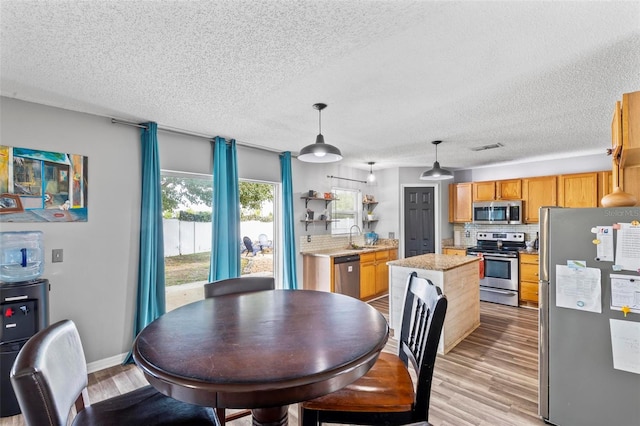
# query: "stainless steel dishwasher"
[347,275]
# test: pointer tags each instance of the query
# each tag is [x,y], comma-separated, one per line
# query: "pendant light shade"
[371,178]
[437,172]
[320,152]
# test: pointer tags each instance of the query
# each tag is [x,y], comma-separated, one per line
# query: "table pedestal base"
[275,416]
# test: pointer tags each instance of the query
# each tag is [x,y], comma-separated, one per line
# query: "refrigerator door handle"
[543,349]
[543,243]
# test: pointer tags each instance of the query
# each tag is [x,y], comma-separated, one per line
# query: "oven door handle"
[489,256]
[490,290]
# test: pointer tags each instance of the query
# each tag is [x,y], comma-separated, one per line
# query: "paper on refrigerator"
[578,288]
[625,345]
[628,247]
[625,291]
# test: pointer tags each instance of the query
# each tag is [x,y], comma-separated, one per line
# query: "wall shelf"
[307,222]
[326,200]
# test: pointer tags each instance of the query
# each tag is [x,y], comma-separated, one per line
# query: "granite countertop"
[456,247]
[434,262]
[335,252]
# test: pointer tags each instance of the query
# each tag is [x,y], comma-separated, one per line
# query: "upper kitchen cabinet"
[578,190]
[605,185]
[630,129]
[460,201]
[510,189]
[629,140]
[538,192]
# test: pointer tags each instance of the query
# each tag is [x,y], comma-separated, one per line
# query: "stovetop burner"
[508,243]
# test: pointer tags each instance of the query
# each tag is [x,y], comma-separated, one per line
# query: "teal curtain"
[225,216]
[289,275]
[151,296]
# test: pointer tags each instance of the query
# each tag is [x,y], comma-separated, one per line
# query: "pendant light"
[320,152]
[436,173]
[372,177]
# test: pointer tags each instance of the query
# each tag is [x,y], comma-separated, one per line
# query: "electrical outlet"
[308,238]
[56,255]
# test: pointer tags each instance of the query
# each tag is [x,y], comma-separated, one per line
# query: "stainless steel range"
[501,270]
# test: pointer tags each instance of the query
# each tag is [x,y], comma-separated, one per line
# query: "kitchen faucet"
[350,236]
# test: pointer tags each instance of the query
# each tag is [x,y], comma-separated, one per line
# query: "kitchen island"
[456,276]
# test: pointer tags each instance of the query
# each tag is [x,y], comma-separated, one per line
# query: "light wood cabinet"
[630,129]
[367,275]
[509,189]
[460,202]
[630,144]
[605,185]
[484,191]
[538,192]
[578,190]
[454,252]
[374,272]
[529,278]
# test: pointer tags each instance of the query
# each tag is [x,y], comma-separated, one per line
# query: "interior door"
[419,217]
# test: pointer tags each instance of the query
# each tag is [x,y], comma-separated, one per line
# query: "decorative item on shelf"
[328,195]
[309,215]
[617,198]
[320,152]
[312,193]
[369,199]
[436,173]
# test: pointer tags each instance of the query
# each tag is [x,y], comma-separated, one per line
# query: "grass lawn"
[189,268]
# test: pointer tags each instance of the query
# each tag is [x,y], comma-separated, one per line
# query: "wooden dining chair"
[49,376]
[235,286]
[386,395]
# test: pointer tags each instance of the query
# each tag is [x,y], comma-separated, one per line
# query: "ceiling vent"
[485,147]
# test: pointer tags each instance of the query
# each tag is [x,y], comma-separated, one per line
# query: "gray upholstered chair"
[385,395]
[234,286]
[238,285]
[49,376]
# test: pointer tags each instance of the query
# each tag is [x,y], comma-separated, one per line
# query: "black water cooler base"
[24,310]
[8,402]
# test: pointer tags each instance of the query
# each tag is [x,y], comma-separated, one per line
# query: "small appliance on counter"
[370,238]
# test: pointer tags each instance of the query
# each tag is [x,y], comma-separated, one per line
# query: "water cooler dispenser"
[24,304]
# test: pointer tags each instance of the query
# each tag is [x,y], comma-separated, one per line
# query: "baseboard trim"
[101,364]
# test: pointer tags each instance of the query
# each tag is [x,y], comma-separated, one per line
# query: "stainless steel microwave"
[498,212]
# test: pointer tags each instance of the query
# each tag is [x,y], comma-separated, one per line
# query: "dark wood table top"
[262,349]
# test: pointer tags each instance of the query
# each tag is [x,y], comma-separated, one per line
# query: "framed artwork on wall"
[44,186]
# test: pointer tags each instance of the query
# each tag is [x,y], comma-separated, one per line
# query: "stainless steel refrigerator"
[579,385]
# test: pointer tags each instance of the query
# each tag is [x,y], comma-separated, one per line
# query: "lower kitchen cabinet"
[529,279]
[454,252]
[374,273]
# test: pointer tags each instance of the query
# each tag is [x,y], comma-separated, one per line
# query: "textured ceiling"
[541,78]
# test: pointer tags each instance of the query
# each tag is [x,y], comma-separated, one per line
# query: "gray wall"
[96,284]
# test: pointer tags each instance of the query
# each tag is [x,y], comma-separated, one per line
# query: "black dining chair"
[235,286]
[386,395]
[49,376]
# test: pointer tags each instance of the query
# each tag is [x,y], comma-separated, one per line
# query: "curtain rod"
[193,134]
[352,180]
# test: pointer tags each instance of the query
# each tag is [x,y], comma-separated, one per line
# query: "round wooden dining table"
[262,350]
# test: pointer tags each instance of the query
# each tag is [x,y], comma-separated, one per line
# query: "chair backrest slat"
[423,317]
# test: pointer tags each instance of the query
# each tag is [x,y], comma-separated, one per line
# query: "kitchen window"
[345,211]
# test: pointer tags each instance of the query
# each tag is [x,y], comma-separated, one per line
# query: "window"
[187,200]
[345,210]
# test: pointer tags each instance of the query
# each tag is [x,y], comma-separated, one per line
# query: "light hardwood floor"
[489,379]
